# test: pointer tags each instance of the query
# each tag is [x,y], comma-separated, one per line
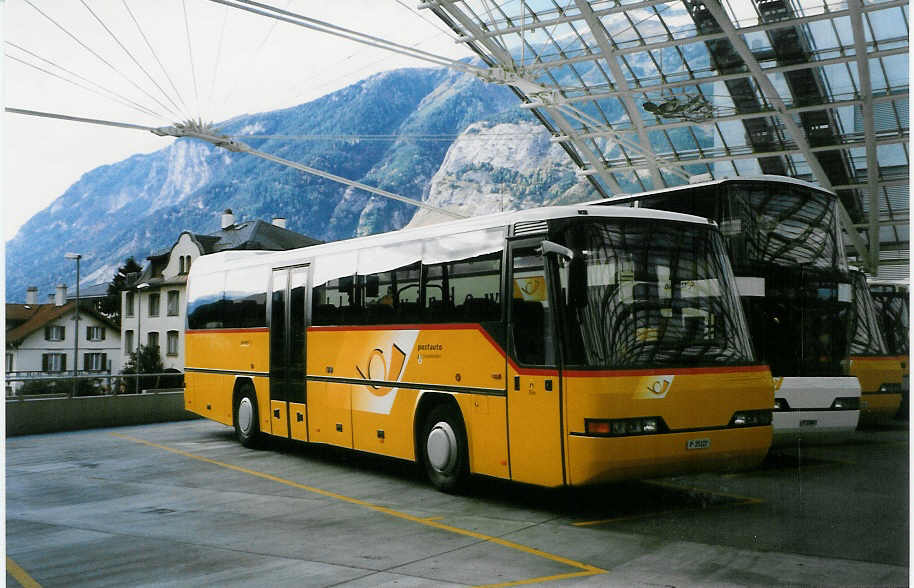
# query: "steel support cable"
[327,28]
[229,143]
[252,57]
[190,53]
[94,121]
[450,34]
[113,95]
[155,55]
[212,86]
[132,58]
[96,55]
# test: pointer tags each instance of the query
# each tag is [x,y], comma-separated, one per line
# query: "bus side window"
[474,287]
[245,298]
[332,303]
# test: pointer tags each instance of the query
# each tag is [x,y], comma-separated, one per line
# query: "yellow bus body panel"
[873,372]
[380,415]
[298,421]
[697,398]
[229,351]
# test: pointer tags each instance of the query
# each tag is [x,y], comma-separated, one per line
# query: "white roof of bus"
[756,178]
[239,259]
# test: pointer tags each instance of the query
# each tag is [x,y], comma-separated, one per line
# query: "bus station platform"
[183,504]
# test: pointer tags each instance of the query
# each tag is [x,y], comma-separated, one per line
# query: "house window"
[128,304]
[95,362]
[95,333]
[54,333]
[152,339]
[172,343]
[9,362]
[154,304]
[128,342]
[181,269]
[172,303]
[186,263]
[53,362]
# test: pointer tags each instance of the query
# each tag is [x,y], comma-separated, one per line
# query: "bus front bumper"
[814,426]
[594,460]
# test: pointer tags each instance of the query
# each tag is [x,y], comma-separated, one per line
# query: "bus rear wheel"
[247,422]
[444,449]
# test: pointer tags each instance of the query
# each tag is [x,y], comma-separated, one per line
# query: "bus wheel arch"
[245,414]
[441,441]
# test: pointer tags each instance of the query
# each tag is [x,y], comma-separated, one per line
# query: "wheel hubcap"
[441,447]
[245,415]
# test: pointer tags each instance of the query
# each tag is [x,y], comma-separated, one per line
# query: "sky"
[235,63]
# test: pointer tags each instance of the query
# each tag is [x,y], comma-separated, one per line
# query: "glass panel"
[658,293]
[531,321]
[205,308]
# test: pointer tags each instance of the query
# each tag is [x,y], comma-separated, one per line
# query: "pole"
[76,334]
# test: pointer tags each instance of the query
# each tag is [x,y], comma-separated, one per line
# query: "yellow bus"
[556,346]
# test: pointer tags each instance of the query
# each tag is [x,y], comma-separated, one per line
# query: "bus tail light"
[751,418]
[846,404]
[623,427]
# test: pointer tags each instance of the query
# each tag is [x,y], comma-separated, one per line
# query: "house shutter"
[104,330]
[63,362]
[44,360]
[47,333]
[104,366]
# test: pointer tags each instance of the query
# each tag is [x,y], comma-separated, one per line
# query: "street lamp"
[77,257]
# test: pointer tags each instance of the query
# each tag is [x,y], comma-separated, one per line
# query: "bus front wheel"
[247,423]
[444,445]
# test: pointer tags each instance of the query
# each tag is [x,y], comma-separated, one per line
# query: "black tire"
[444,448]
[246,417]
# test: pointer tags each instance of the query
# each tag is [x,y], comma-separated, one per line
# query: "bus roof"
[218,261]
[620,198]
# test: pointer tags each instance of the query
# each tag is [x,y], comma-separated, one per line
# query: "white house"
[153,309]
[40,338]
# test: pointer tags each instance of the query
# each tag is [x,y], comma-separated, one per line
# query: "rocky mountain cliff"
[461,144]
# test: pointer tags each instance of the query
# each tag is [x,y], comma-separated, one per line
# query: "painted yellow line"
[587,569]
[542,579]
[20,575]
[741,501]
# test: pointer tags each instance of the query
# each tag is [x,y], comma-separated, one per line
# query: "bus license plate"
[698,443]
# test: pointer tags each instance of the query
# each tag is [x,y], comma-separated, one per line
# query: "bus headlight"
[751,418]
[781,404]
[893,388]
[624,427]
[846,404]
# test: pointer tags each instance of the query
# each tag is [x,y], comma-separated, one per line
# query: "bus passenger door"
[288,313]
[535,434]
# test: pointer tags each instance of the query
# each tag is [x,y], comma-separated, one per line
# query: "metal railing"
[25,385]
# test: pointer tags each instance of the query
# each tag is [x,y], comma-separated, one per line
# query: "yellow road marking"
[587,570]
[20,575]
[742,501]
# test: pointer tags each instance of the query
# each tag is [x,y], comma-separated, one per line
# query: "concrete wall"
[48,415]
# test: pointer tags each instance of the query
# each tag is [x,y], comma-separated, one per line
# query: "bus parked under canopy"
[556,346]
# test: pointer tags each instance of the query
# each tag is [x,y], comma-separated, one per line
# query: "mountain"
[501,158]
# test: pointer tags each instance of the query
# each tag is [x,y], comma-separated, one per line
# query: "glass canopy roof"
[644,94]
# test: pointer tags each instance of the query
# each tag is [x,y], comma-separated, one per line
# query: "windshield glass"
[782,224]
[800,326]
[867,339]
[658,293]
[892,311]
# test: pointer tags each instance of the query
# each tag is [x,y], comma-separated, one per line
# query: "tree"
[110,305]
[149,361]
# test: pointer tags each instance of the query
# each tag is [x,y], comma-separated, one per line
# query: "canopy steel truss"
[643,94]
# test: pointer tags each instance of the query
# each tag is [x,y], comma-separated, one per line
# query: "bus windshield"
[867,339]
[659,293]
